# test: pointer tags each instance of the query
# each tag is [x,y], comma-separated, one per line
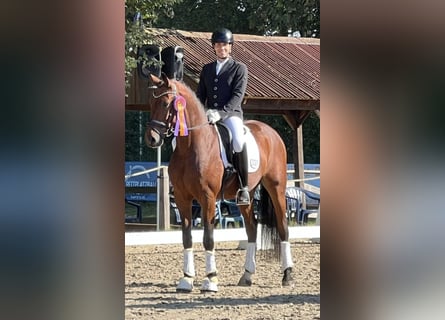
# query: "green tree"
[262,17]
[283,17]
[135,147]
[311,139]
[207,15]
[140,14]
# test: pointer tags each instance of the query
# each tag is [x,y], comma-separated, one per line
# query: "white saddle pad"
[253,153]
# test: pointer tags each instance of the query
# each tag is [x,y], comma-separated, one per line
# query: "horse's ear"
[150,82]
[165,79]
[154,82]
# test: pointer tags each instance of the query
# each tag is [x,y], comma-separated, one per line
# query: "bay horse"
[196,172]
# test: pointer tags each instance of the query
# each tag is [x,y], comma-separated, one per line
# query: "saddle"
[225,143]
[226,149]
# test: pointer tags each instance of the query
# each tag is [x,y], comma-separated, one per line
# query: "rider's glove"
[213,115]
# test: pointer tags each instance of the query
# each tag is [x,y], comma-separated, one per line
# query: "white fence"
[236,234]
[219,235]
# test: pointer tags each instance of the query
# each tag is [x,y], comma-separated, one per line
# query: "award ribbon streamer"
[181,124]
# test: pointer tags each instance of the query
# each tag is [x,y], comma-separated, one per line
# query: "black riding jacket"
[225,91]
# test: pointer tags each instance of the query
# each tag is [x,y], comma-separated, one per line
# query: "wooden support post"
[295,119]
[299,162]
[298,156]
[164,204]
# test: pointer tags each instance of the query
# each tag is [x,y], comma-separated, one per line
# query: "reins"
[199,126]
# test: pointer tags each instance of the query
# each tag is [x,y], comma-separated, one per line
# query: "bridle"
[165,128]
[173,92]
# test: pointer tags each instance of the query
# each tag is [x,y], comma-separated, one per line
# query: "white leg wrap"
[250,264]
[210,262]
[286,256]
[189,264]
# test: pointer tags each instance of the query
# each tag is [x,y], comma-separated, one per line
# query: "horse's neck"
[195,116]
[199,130]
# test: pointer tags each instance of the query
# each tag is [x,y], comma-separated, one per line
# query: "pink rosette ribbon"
[181,124]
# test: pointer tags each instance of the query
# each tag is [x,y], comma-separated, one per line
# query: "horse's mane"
[189,95]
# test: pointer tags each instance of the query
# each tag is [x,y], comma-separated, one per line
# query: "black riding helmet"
[222,35]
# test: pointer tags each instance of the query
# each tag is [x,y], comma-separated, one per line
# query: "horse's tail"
[270,238]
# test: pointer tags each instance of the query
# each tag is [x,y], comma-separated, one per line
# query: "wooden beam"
[138,93]
[280,104]
[295,118]
[262,106]
[291,119]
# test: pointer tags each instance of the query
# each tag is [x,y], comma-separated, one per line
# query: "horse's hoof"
[210,284]
[246,280]
[287,278]
[185,285]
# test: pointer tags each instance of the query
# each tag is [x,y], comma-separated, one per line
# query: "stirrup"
[243,197]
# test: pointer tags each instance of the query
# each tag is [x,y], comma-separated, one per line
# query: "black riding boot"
[241,166]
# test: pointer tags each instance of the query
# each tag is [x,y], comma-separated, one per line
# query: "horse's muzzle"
[153,139]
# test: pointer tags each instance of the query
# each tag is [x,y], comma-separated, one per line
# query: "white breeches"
[236,126]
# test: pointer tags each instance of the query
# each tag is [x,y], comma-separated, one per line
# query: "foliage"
[135,148]
[138,15]
[133,135]
[262,17]
[282,17]
[207,15]
[311,139]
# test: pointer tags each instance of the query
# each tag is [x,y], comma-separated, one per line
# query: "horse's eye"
[165,104]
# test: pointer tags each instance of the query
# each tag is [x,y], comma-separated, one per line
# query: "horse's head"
[162,93]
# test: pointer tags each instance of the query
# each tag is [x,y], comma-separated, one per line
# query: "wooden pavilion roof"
[284,72]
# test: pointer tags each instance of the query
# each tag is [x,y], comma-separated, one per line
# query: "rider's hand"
[213,115]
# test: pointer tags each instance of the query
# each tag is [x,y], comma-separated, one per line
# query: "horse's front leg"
[249,264]
[186,282]
[210,282]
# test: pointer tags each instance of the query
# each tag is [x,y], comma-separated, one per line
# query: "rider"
[221,88]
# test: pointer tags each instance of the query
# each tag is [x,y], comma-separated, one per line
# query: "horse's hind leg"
[279,204]
[285,252]
[286,263]
[249,264]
